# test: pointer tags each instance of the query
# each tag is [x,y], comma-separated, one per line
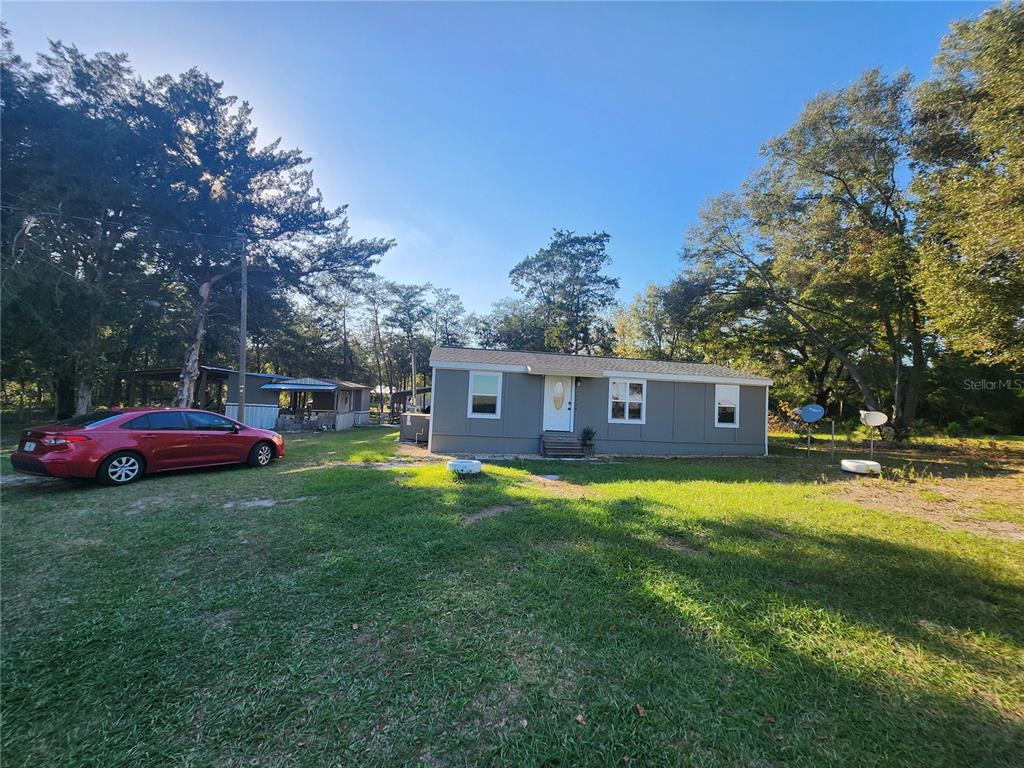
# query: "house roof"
[313,385]
[586,365]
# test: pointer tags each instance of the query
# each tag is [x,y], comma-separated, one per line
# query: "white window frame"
[469,396]
[643,401]
[725,392]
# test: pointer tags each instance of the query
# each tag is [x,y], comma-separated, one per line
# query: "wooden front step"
[561,445]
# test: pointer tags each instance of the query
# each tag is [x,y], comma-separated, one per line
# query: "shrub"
[976,425]
[953,429]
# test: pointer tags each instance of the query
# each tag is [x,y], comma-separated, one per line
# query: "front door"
[558,397]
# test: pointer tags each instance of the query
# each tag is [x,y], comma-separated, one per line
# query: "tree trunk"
[911,393]
[390,369]
[21,402]
[83,402]
[63,395]
[190,368]
[86,364]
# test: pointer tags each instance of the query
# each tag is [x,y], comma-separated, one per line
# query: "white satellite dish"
[873,418]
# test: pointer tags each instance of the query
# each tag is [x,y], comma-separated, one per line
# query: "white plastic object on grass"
[861,466]
[465,466]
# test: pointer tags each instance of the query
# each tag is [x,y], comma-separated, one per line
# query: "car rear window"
[159,420]
[142,422]
[91,419]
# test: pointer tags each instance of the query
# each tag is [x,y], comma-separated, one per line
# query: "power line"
[49,263]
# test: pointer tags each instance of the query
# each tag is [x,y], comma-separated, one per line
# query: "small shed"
[316,403]
[261,406]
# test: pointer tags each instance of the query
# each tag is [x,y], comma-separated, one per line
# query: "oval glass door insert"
[559,395]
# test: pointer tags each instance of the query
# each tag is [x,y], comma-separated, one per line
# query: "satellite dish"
[873,418]
[810,413]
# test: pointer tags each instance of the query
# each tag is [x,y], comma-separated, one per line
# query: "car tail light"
[64,439]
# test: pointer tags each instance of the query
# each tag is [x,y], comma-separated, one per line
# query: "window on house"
[484,395]
[627,401]
[727,405]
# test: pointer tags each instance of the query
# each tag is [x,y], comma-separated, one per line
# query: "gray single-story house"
[505,402]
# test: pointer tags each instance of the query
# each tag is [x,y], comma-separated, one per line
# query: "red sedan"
[119,446]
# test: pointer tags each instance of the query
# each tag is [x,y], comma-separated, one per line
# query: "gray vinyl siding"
[680,419]
[517,431]
[253,394]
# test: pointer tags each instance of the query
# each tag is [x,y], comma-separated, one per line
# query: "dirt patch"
[9,481]
[554,486]
[475,517]
[82,543]
[220,619]
[680,547]
[146,503]
[955,504]
[263,503]
[418,452]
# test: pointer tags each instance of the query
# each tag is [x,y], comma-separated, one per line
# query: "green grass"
[358,621]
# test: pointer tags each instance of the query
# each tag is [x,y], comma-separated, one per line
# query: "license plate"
[29,447]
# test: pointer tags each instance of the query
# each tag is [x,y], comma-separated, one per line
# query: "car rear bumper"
[44,466]
[29,466]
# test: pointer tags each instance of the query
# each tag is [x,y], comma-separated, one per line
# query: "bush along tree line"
[874,259]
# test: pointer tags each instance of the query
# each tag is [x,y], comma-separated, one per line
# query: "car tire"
[121,468]
[261,454]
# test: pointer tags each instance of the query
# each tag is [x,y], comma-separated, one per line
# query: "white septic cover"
[861,466]
[464,466]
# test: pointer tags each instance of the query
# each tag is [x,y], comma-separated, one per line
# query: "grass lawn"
[733,612]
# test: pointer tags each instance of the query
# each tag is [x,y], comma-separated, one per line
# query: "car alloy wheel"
[263,455]
[123,469]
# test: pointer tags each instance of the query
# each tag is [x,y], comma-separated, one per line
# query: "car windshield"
[93,419]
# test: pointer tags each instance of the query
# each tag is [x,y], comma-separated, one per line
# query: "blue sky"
[469,131]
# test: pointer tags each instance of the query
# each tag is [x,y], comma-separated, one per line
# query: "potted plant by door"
[587,439]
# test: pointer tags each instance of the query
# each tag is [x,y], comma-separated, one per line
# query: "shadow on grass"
[751,631]
[369,626]
[779,467]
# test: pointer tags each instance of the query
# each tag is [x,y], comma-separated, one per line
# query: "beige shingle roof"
[583,365]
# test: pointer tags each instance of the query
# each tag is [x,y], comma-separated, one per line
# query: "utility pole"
[415,406]
[242,332]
